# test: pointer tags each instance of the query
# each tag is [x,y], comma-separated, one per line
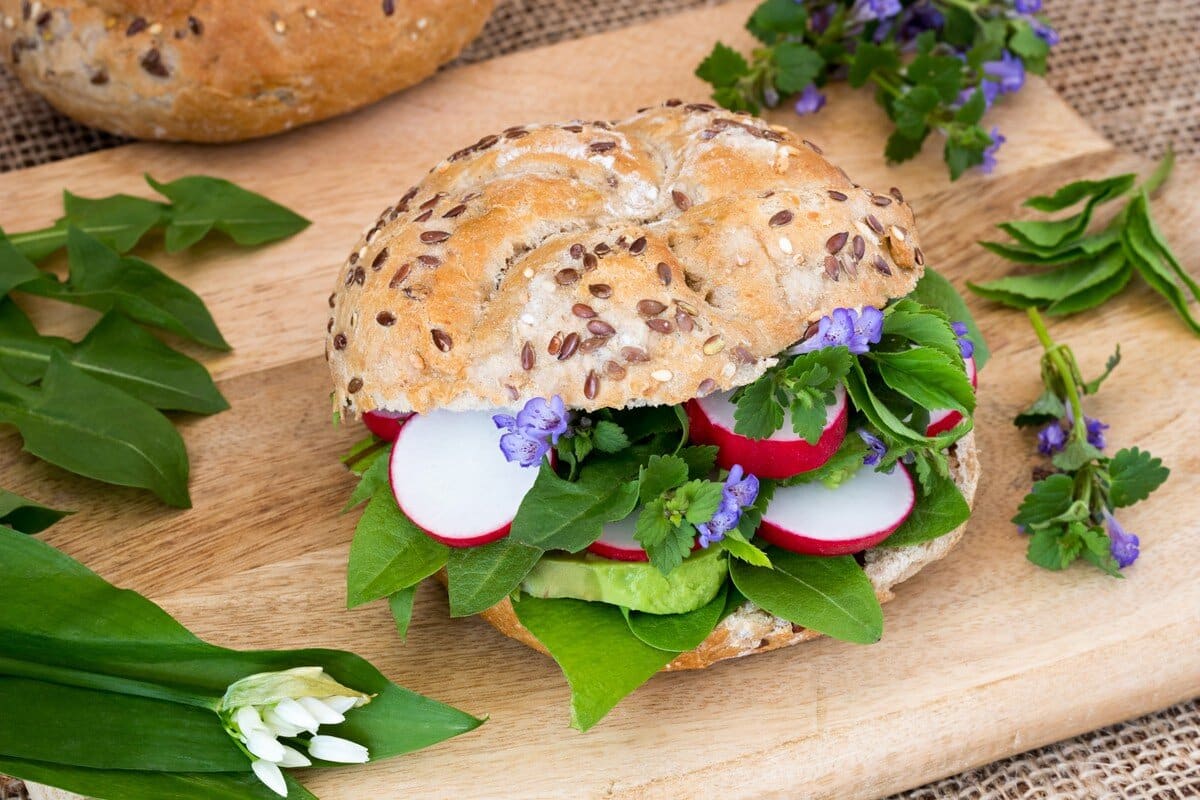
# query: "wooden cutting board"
[984,655]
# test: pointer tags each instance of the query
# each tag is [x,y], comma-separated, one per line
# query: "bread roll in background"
[225,70]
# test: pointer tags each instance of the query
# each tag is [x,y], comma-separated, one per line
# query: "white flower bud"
[247,720]
[295,714]
[279,726]
[334,748]
[264,746]
[270,774]
[340,704]
[294,758]
[321,712]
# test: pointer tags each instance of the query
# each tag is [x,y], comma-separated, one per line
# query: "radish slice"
[781,455]
[617,541]
[815,520]
[450,477]
[386,424]
[945,419]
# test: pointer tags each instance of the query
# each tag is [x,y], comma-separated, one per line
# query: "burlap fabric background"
[1129,68]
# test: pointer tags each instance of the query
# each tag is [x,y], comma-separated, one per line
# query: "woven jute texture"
[1129,68]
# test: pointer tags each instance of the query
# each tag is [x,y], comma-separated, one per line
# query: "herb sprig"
[1080,268]
[1068,514]
[94,407]
[936,66]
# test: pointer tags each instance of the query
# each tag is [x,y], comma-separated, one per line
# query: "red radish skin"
[815,520]
[782,455]
[617,541]
[386,424]
[945,419]
[450,478]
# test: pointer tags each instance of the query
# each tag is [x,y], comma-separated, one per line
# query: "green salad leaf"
[939,509]
[677,633]
[480,577]
[25,515]
[389,552]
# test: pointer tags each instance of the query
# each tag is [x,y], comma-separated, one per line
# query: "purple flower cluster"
[876,449]
[1053,437]
[533,431]
[845,327]
[740,491]
[965,346]
[1124,545]
[874,10]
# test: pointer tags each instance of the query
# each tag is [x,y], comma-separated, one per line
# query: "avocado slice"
[636,585]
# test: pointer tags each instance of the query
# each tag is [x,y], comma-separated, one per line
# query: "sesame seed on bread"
[750,629]
[639,262]
[224,70]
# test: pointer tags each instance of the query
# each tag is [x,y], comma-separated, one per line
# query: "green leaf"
[401,605]
[1097,550]
[677,633]
[928,377]
[935,291]
[842,465]
[759,412]
[701,460]
[92,429]
[911,110]
[1047,408]
[831,595]
[200,204]
[1135,474]
[1047,287]
[736,545]
[122,784]
[25,515]
[563,515]
[1077,453]
[811,381]
[964,149]
[480,577]
[15,269]
[120,221]
[797,65]
[772,19]
[1048,499]
[922,326]
[942,73]
[374,478]
[608,437]
[1093,386]
[666,543]
[105,281]
[1032,49]
[971,112]
[940,508]
[871,406]
[1072,193]
[700,499]
[1048,548]
[389,552]
[723,66]
[901,148]
[661,474]
[870,58]
[601,658]
[1094,295]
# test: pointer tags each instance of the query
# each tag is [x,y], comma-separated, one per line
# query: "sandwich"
[651,394]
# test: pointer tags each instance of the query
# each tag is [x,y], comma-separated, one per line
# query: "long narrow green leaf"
[120,221]
[25,515]
[200,204]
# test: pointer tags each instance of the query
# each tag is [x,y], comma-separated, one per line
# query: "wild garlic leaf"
[27,516]
[928,377]
[569,515]
[1134,474]
[200,204]
[93,429]
[15,268]
[389,552]
[481,576]
[105,281]
[1072,193]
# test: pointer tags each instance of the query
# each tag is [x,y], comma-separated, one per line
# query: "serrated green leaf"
[389,552]
[759,413]
[1072,193]
[927,327]
[1049,287]
[831,595]
[700,498]
[92,429]
[701,460]
[1048,499]
[481,576]
[935,291]
[942,73]
[772,19]
[723,66]
[1093,295]
[666,543]
[910,111]
[869,58]
[1048,549]
[1097,550]
[1093,386]
[796,65]
[661,474]
[200,204]
[1031,48]
[1075,455]
[900,148]
[608,437]
[971,112]
[1134,474]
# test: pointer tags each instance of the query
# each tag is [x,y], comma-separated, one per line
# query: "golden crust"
[750,630]
[223,70]
[632,263]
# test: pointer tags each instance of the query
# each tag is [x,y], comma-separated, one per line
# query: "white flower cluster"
[261,709]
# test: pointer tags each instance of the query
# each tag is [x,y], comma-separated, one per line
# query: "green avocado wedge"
[636,585]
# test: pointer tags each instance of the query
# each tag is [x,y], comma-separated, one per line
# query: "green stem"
[66,676]
[1054,353]
[1160,174]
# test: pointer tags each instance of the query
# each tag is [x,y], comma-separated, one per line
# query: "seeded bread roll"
[641,262]
[223,70]
[749,629]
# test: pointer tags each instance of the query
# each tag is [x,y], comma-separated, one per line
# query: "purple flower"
[1124,547]
[810,100]
[989,154]
[1095,432]
[1008,73]
[518,447]
[868,10]
[544,417]
[876,449]
[1028,6]
[1044,32]
[965,346]
[848,328]
[918,18]
[740,491]
[1051,439]
[821,16]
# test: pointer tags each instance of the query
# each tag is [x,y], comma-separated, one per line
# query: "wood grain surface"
[984,655]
